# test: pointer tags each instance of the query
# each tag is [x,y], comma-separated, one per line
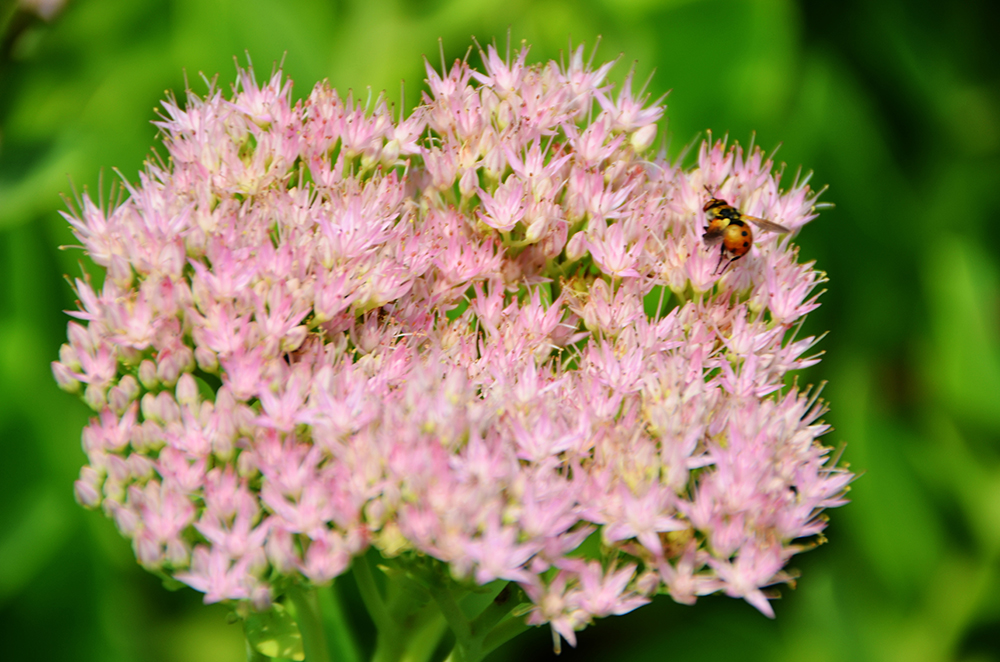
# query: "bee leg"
[722,256]
[729,263]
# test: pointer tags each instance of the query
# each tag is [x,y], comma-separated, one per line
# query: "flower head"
[481,334]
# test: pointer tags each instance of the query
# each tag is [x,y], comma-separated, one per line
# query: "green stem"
[495,612]
[339,634]
[310,624]
[390,615]
[500,635]
[371,596]
[475,640]
[388,647]
[457,621]
[659,305]
[521,243]
[424,640]
[414,611]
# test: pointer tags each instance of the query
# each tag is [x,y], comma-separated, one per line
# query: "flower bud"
[148,550]
[576,247]
[172,362]
[64,377]
[147,374]
[294,338]
[68,357]
[114,493]
[120,272]
[504,114]
[87,490]
[118,400]
[206,359]
[178,552]
[95,397]
[148,437]
[140,466]
[469,182]
[118,469]
[167,408]
[79,338]
[187,390]
[643,138]
[129,386]
[149,408]
[390,153]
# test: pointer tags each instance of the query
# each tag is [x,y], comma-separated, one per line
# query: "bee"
[731,227]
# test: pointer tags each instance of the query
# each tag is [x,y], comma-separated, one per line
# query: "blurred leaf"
[32,540]
[896,523]
[274,633]
[965,302]
[198,637]
[22,200]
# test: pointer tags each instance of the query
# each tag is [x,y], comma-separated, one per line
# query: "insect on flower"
[729,226]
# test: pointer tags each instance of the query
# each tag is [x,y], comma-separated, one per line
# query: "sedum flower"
[487,336]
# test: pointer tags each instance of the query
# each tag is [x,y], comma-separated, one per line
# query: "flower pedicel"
[485,340]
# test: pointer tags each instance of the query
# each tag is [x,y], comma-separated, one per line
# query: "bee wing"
[712,237]
[764,224]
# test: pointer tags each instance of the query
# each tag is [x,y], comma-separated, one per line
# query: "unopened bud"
[187,390]
[65,378]
[643,138]
[206,359]
[95,397]
[87,489]
[576,247]
[147,374]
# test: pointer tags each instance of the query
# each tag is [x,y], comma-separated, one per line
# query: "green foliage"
[274,633]
[896,107]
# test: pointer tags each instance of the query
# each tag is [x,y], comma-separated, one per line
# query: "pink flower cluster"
[484,333]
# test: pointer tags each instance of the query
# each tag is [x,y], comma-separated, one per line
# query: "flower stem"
[500,635]
[457,621]
[424,640]
[371,596]
[343,647]
[475,639]
[412,617]
[310,624]
[495,612]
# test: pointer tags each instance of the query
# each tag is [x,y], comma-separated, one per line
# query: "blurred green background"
[895,105]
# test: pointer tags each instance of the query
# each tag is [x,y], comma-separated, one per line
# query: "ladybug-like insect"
[729,226]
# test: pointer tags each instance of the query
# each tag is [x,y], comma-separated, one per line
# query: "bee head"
[714,203]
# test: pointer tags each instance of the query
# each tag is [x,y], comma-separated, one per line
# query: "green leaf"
[30,541]
[965,361]
[274,633]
